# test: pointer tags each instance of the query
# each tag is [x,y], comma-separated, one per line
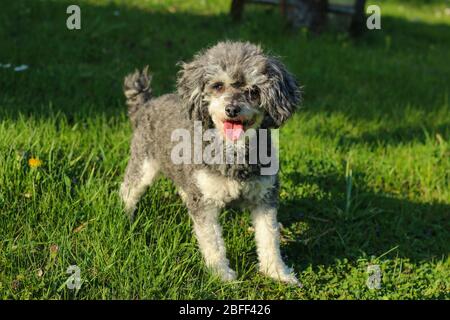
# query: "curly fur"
[137,91]
[268,95]
[280,93]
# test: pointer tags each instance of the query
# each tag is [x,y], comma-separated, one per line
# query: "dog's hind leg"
[139,175]
[209,237]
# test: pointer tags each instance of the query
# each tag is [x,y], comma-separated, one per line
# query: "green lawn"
[365,164]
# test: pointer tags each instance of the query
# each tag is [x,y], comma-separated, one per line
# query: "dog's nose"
[232,110]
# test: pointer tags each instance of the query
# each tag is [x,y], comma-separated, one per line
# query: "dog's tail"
[136,87]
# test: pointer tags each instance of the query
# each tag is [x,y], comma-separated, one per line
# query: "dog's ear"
[191,83]
[280,95]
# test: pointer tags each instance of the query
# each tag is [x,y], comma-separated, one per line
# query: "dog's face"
[233,104]
[236,87]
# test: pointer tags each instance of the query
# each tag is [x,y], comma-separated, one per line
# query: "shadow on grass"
[80,72]
[374,224]
[394,135]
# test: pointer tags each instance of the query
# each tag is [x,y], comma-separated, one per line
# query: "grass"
[365,164]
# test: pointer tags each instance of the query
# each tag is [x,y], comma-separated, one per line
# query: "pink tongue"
[233,130]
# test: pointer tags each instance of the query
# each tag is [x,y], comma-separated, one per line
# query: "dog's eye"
[218,86]
[237,84]
[253,93]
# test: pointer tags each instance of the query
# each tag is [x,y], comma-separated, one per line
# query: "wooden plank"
[237,7]
[283,7]
[272,2]
[341,9]
[357,25]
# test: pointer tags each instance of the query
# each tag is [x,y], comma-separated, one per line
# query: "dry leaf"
[80,227]
[53,251]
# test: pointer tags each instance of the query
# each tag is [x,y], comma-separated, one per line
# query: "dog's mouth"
[234,129]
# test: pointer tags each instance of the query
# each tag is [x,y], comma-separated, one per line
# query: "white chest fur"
[221,190]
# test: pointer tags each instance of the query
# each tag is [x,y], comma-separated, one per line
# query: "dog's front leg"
[267,236]
[209,237]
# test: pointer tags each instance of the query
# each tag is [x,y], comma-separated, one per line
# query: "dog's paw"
[131,214]
[228,275]
[289,279]
[282,273]
[225,274]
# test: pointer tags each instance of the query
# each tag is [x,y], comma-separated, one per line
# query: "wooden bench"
[317,10]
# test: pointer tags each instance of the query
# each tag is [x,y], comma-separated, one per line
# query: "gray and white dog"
[231,87]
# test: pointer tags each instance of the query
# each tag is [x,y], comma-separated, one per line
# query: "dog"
[231,88]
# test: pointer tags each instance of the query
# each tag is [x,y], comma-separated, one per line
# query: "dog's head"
[236,86]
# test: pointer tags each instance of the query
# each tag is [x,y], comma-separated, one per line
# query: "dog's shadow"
[319,231]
